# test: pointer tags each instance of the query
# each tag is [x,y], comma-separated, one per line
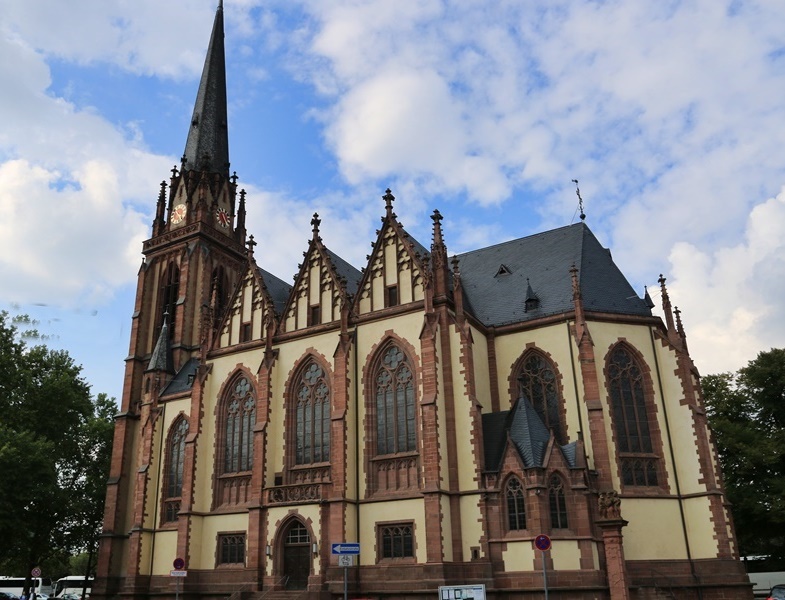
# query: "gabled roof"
[527,433]
[184,380]
[207,146]
[345,271]
[278,289]
[496,297]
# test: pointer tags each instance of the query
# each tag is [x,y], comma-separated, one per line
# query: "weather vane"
[580,200]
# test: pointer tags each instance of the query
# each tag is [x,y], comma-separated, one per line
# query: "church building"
[475,426]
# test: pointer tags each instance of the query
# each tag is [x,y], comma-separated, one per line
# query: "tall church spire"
[207,146]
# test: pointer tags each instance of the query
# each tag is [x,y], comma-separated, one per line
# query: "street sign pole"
[345,582]
[543,544]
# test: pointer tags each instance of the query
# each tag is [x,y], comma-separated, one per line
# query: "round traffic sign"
[178,564]
[36,572]
[543,542]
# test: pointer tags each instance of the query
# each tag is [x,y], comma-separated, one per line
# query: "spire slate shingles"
[207,146]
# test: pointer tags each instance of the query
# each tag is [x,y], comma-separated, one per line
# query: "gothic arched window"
[395,407]
[175,462]
[631,419]
[239,418]
[516,505]
[537,384]
[169,294]
[220,290]
[558,503]
[312,416]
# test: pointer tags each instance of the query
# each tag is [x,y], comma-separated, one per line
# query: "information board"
[462,592]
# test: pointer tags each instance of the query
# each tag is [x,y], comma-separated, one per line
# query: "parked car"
[8,596]
[777,592]
[68,596]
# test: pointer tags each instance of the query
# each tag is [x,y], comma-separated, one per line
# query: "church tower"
[191,264]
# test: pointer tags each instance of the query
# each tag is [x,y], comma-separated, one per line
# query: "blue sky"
[670,114]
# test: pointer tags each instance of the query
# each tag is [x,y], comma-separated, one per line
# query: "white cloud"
[732,297]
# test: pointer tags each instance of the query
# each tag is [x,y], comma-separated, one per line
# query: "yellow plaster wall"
[390,512]
[566,555]
[391,261]
[482,376]
[654,531]
[464,426]
[700,528]
[204,537]
[447,528]
[165,552]
[518,556]
[405,291]
[471,527]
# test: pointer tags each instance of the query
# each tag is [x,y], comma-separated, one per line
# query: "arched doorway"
[296,556]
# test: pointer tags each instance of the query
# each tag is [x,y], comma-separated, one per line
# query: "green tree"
[747,413]
[55,446]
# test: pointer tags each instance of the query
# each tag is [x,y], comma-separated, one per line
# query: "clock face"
[178,213]
[222,217]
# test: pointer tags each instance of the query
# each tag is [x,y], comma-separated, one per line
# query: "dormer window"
[503,270]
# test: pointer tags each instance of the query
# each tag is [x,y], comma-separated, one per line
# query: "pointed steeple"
[207,146]
[161,358]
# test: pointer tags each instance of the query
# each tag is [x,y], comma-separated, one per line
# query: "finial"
[174,171]
[580,200]
[220,4]
[388,200]
[679,326]
[233,178]
[315,222]
[250,243]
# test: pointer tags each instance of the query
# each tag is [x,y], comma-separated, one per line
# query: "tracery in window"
[537,383]
[175,462]
[312,417]
[395,407]
[516,505]
[397,541]
[231,548]
[558,503]
[239,419]
[631,419]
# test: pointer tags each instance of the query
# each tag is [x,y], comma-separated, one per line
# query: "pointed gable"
[255,300]
[396,270]
[522,429]
[322,287]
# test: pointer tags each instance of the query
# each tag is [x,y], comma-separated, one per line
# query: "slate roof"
[182,381]
[209,135]
[279,290]
[545,260]
[527,433]
[346,271]
[161,359]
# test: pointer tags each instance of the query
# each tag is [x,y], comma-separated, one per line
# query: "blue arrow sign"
[346,548]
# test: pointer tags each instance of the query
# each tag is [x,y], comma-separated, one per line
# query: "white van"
[73,584]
